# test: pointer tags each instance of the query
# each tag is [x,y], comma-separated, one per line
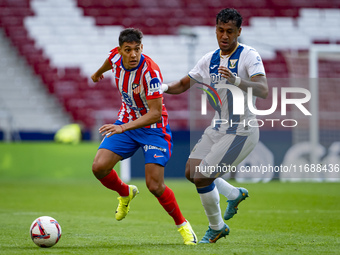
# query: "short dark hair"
[229,14]
[130,35]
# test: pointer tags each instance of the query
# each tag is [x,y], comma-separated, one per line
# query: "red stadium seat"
[154,17]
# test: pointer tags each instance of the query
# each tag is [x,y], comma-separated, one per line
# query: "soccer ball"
[45,231]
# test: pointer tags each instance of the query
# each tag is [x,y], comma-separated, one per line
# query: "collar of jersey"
[129,70]
[228,56]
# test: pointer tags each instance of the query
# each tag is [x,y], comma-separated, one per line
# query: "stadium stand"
[65,41]
[25,103]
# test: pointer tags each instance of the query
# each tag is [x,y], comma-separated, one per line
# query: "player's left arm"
[255,69]
[98,75]
[258,82]
[259,85]
[152,116]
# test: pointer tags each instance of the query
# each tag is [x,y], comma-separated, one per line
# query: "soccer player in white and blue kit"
[231,141]
[142,123]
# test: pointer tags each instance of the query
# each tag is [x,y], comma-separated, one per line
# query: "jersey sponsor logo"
[155,85]
[127,98]
[216,78]
[213,67]
[136,108]
[152,147]
[233,63]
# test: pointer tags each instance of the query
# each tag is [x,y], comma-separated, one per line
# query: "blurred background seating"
[49,49]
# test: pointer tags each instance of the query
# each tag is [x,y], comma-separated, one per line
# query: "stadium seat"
[57,38]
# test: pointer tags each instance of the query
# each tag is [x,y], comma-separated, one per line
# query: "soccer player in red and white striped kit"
[142,122]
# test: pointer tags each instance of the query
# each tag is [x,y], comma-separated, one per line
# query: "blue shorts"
[155,142]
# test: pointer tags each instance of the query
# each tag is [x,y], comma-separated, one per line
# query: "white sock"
[181,225]
[211,203]
[226,189]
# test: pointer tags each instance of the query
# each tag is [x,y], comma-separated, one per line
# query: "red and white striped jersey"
[136,86]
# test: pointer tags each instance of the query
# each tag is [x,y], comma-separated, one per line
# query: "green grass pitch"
[39,179]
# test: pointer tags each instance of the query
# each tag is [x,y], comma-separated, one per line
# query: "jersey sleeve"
[197,73]
[152,81]
[113,56]
[254,63]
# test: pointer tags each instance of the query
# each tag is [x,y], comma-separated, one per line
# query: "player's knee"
[155,188]
[202,182]
[188,173]
[197,182]
[96,168]
[99,170]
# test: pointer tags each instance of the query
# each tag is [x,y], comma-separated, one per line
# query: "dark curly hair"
[130,35]
[229,14]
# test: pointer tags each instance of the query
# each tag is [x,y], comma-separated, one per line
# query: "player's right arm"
[152,116]
[178,87]
[194,76]
[98,75]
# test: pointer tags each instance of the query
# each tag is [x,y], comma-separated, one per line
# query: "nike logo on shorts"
[157,156]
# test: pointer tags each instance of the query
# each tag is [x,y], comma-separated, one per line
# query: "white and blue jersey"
[244,62]
[226,144]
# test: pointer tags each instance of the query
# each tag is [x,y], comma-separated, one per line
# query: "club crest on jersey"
[233,63]
[155,85]
[136,88]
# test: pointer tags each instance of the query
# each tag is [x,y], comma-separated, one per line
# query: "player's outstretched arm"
[178,87]
[98,75]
